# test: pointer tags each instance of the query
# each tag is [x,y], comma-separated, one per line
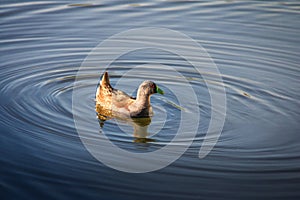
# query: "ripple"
[254,45]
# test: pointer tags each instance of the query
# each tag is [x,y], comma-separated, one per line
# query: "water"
[255,45]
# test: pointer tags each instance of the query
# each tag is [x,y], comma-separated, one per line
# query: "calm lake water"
[255,46]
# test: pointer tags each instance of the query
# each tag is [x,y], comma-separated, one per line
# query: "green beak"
[159,91]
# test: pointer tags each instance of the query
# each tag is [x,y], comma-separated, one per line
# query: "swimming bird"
[119,103]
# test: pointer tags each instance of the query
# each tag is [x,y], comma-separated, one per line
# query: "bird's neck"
[143,99]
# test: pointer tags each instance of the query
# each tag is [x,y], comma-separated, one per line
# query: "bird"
[118,103]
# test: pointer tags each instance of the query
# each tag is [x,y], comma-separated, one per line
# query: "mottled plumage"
[120,103]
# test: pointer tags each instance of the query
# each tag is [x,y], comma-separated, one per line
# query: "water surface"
[255,46]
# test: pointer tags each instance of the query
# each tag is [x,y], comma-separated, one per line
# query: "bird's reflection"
[140,125]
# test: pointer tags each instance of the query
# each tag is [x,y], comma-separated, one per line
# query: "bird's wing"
[121,99]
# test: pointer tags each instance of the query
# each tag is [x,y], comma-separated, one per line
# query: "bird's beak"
[159,91]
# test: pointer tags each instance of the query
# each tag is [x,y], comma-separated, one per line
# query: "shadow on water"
[140,125]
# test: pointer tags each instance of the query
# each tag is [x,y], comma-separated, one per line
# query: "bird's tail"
[105,80]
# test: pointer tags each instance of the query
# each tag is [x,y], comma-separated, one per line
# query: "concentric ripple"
[255,46]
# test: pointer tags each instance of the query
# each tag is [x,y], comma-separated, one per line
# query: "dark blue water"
[255,46]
